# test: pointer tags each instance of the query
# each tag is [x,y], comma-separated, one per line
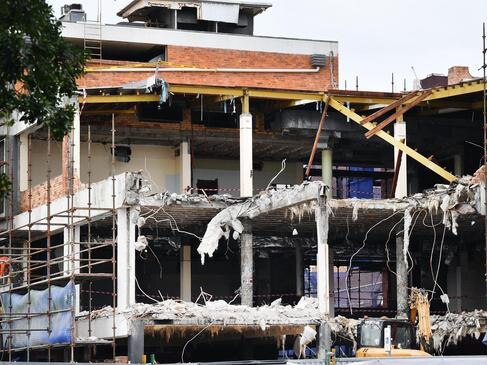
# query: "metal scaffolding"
[37,261]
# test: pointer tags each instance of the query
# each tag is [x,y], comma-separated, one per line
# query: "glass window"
[370,334]
[364,288]
[401,336]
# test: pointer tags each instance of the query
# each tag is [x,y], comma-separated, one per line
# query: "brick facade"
[39,192]
[59,184]
[221,58]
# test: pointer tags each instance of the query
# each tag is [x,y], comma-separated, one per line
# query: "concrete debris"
[297,199]
[448,330]
[141,243]
[345,328]
[479,175]
[220,312]
[452,328]
[91,339]
[303,340]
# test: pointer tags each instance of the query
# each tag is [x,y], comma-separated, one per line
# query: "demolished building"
[191,145]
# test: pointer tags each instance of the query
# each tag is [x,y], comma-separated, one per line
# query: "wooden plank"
[317,138]
[394,142]
[397,114]
[388,108]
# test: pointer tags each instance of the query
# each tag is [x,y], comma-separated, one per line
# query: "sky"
[376,37]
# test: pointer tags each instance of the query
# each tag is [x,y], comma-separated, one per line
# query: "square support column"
[327,171]
[402,279]
[324,278]
[71,256]
[185,273]
[125,259]
[136,341]
[299,270]
[247,265]
[246,156]
[184,164]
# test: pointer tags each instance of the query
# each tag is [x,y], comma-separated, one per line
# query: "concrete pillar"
[246,159]
[402,181]
[71,256]
[246,265]
[23,161]
[299,270]
[136,342]
[402,279]
[325,299]
[458,164]
[327,170]
[185,273]
[184,162]
[125,259]
[76,141]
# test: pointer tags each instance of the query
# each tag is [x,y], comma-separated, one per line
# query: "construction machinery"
[372,338]
[383,337]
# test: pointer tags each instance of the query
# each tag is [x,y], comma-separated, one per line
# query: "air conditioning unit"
[72,13]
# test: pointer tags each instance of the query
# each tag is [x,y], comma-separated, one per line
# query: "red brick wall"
[59,184]
[39,192]
[222,58]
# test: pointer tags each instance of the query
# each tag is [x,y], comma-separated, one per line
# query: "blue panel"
[62,298]
[363,187]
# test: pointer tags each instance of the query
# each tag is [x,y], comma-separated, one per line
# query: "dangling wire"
[283,167]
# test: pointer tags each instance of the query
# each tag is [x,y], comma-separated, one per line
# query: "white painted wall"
[39,160]
[157,162]
[228,174]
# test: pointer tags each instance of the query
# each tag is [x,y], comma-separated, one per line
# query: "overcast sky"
[376,37]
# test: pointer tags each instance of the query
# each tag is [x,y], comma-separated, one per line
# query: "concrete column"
[75,142]
[402,181]
[402,279]
[184,162]
[71,256]
[246,265]
[325,299]
[327,170]
[125,259]
[246,159]
[136,342]
[23,161]
[299,270]
[458,164]
[185,273]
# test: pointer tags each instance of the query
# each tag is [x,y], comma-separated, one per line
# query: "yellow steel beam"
[455,90]
[205,90]
[437,93]
[285,95]
[108,111]
[363,99]
[391,140]
[101,99]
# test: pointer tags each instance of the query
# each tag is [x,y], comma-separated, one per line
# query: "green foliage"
[5,185]
[38,69]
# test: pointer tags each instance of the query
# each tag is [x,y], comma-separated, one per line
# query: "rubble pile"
[452,328]
[221,312]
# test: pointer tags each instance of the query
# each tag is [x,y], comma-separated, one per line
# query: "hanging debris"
[229,218]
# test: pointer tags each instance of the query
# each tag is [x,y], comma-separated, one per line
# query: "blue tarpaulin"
[59,323]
